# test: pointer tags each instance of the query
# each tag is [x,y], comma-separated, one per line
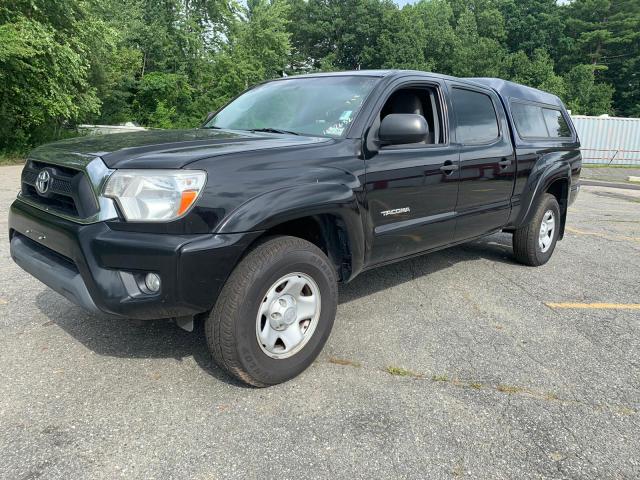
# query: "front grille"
[58,185]
[69,191]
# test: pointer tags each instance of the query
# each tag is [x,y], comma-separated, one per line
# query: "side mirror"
[402,128]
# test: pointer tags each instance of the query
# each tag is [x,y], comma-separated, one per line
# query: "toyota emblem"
[42,183]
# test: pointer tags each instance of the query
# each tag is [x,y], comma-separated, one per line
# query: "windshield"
[317,106]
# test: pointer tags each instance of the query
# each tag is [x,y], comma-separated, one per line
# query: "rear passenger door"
[487,161]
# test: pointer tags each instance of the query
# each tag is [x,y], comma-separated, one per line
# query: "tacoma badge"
[395,211]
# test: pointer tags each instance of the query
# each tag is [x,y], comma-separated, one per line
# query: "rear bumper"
[101,269]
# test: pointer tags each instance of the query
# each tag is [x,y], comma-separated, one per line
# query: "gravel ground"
[487,380]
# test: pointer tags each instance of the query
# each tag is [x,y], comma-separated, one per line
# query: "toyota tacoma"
[300,183]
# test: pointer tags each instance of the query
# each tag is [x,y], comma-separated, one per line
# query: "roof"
[372,73]
[509,90]
[348,73]
[504,88]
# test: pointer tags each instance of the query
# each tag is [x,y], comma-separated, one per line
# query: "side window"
[529,120]
[475,116]
[534,121]
[418,100]
[556,123]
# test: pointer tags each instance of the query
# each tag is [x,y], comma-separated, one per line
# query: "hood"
[161,148]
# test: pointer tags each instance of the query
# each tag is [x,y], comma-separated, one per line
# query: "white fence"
[609,140]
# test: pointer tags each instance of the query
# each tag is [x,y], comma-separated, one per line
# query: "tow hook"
[185,323]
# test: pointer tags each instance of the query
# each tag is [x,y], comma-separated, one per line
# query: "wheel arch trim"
[269,210]
[560,171]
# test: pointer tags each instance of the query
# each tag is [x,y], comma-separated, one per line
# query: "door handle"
[504,163]
[448,168]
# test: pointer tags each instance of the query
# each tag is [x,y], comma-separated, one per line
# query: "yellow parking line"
[595,306]
[602,235]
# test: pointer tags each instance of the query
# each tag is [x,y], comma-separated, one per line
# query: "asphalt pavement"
[459,364]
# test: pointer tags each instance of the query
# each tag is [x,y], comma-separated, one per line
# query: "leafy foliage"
[44,72]
[166,63]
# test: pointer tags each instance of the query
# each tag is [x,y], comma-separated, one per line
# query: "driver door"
[412,189]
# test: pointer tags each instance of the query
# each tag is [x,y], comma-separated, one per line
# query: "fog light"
[152,282]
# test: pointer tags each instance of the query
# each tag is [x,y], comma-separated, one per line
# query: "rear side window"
[534,121]
[556,123]
[475,116]
[529,120]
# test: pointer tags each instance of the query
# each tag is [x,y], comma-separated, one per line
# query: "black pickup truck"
[297,184]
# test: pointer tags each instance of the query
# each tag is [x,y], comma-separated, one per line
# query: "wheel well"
[327,232]
[560,190]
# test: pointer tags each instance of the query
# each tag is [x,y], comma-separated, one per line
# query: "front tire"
[274,313]
[534,243]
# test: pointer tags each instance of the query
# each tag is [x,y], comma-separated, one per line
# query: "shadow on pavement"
[162,339]
[496,248]
[112,337]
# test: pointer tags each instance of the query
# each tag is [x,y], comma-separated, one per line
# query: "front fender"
[273,208]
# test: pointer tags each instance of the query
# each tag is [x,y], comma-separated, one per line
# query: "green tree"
[537,71]
[44,69]
[165,96]
[488,18]
[532,25]
[584,95]
[606,35]
[339,33]
[162,116]
[475,55]
[166,63]
[439,42]
[175,41]
[401,42]
[258,49]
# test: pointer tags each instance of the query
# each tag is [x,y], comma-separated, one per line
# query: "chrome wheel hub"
[547,230]
[282,312]
[288,315]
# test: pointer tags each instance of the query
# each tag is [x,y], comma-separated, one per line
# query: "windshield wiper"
[274,130]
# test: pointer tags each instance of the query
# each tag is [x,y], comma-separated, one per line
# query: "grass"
[402,372]
[602,165]
[557,456]
[626,410]
[344,362]
[11,159]
[503,388]
[457,471]
[509,389]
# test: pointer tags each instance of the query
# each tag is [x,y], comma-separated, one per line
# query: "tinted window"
[556,123]
[476,117]
[529,120]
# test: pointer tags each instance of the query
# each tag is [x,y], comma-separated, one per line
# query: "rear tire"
[534,243]
[274,313]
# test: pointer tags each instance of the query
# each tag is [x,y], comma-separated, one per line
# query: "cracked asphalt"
[487,380]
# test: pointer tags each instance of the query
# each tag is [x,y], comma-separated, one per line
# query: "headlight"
[155,195]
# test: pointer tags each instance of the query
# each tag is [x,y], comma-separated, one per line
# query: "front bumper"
[100,269]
